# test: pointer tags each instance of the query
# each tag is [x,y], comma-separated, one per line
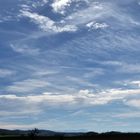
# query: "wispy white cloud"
[45,72]
[131,83]
[93,25]
[46,24]
[123,66]
[93,16]
[25,7]
[25,50]
[39,3]
[60,5]
[130,68]
[137,83]
[13,105]
[129,114]
[82,98]
[16,106]
[19,114]
[33,4]
[101,11]
[27,85]
[6,73]
[81,81]
[111,63]
[133,102]
[94,73]
[5,19]
[93,12]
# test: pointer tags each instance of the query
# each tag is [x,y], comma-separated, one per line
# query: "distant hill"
[51,135]
[5,132]
[40,133]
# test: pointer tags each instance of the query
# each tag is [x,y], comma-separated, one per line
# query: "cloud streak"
[82,98]
[6,73]
[27,85]
[47,24]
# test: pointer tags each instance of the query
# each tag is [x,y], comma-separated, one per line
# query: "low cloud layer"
[83,98]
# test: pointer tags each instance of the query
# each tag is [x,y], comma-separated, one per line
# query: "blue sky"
[70,65]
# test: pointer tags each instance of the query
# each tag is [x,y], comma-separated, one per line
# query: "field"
[95,137]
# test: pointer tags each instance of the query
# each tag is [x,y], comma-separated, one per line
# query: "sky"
[70,65]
